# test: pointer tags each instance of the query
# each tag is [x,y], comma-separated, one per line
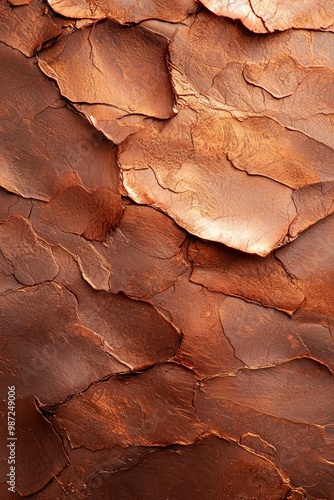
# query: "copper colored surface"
[264,281]
[36,438]
[125,12]
[248,474]
[111,55]
[270,15]
[27,27]
[166,249]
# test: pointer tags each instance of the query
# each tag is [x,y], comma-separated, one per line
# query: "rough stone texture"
[45,147]
[275,422]
[165,471]
[32,262]
[125,12]
[264,281]
[45,349]
[274,126]
[310,260]
[27,27]
[270,15]
[36,438]
[144,252]
[119,411]
[166,249]
[195,311]
[173,166]
[112,58]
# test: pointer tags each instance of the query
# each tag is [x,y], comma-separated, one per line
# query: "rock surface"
[166,250]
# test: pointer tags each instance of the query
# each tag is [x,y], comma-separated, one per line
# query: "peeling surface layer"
[264,281]
[166,250]
[37,438]
[112,56]
[125,12]
[144,252]
[119,398]
[165,470]
[188,178]
[27,27]
[282,440]
[34,114]
[270,15]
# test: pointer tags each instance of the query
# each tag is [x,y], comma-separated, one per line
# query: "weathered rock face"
[126,12]
[270,15]
[166,250]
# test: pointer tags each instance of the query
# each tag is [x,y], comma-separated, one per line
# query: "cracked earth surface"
[166,248]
